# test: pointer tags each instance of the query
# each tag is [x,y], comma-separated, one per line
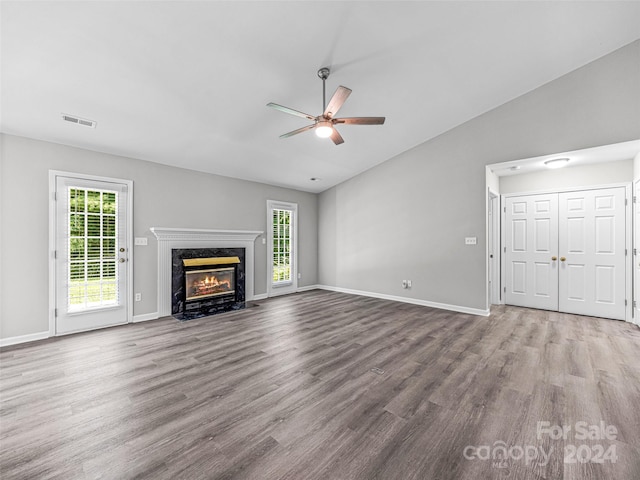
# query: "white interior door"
[531,251]
[91,267]
[592,252]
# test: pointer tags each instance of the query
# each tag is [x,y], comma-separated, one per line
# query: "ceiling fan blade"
[295,132]
[290,111]
[336,137]
[336,101]
[360,120]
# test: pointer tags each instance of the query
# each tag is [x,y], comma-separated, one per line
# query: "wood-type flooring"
[323,385]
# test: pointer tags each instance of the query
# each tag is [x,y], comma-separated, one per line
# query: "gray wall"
[163,197]
[407,218]
[569,177]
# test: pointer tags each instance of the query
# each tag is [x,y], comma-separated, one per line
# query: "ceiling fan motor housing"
[323,73]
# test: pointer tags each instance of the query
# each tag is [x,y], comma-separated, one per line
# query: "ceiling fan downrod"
[323,73]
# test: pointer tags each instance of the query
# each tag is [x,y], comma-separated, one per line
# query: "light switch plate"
[142,241]
[471,241]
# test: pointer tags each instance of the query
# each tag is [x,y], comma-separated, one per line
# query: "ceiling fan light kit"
[324,124]
[324,129]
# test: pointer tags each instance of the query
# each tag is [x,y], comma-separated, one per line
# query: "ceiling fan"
[324,124]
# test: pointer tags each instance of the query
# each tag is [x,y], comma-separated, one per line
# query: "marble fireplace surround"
[173,238]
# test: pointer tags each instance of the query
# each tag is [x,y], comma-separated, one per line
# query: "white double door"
[566,252]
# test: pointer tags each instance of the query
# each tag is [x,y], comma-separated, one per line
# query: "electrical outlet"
[404,284]
[408,283]
[299,275]
[138,297]
[264,241]
[471,241]
[141,241]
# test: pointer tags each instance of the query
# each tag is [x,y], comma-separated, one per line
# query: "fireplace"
[206,281]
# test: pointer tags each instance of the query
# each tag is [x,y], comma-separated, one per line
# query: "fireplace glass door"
[213,282]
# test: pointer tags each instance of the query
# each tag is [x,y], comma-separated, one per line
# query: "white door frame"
[493,248]
[635,258]
[53,174]
[293,287]
[629,264]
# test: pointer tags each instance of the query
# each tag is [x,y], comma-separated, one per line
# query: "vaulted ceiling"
[187,83]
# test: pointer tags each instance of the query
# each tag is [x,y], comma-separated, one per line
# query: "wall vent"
[79,121]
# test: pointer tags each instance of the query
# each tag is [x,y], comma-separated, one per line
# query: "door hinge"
[505,289]
[55,312]
[625,252]
[634,304]
[634,199]
[625,302]
[505,249]
[635,251]
[55,254]
[626,201]
[505,209]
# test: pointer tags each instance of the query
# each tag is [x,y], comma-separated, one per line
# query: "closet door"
[592,252]
[531,251]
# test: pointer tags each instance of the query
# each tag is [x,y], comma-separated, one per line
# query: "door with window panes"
[282,234]
[91,254]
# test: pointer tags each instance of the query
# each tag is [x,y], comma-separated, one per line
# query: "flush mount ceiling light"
[324,124]
[556,162]
[515,167]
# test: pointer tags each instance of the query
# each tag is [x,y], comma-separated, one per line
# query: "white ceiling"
[603,154]
[186,83]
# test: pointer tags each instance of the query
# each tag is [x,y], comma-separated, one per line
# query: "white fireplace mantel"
[172,238]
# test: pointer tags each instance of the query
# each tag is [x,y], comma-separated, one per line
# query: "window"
[92,227]
[281,245]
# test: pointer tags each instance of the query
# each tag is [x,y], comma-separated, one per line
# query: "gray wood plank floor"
[285,390]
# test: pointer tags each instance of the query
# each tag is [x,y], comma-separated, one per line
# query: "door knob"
[122,260]
[562,259]
[554,258]
[122,249]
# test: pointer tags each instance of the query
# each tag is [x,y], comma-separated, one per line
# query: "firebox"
[206,281]
[214,282]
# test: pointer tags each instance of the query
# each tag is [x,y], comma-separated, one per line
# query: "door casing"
[53,175]
[293,286]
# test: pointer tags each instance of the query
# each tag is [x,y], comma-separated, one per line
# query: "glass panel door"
[282,244]
[91,254]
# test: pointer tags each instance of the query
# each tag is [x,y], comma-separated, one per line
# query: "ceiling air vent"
[79,121]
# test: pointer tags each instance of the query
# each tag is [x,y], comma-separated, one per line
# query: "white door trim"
[628,195]
[635,259]
[271,290]
[493,245]
[53,174]
[568,189]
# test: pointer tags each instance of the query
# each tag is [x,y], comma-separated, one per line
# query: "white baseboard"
[307,288]
[260,296]
[414,301]
[145,317]
[32,337]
